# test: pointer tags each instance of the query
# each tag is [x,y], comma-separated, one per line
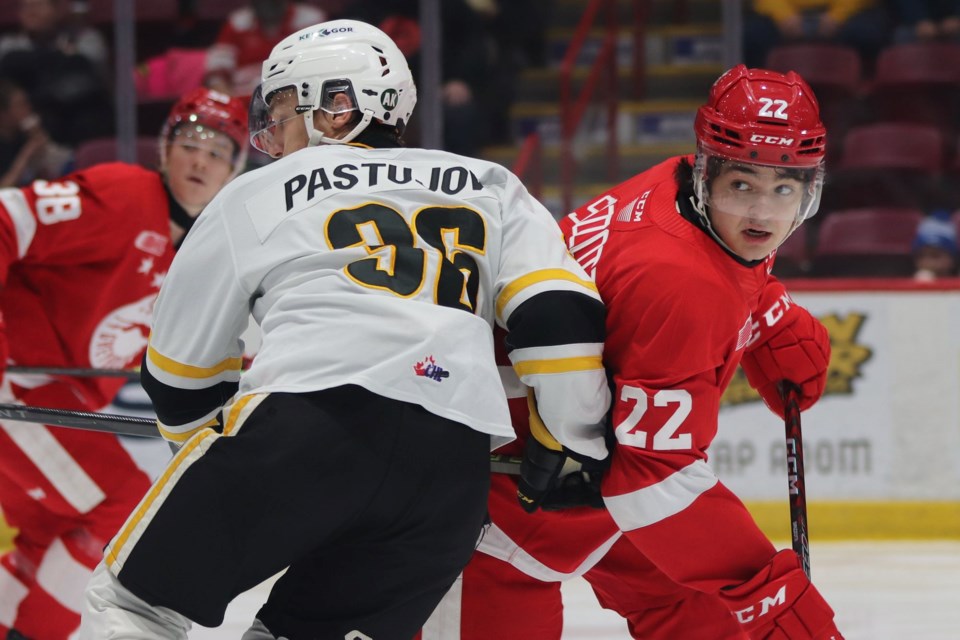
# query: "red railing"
[572,108]
[529,165]
[638,62]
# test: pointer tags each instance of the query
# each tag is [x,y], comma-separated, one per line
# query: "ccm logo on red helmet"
[758,137]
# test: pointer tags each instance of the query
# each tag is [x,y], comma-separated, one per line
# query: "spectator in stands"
[518,33]
[26,151]
[62,66]
[520,29]
[935,249]
[471,92]
[925,20]
[248,36]
[862,24]
[48,24]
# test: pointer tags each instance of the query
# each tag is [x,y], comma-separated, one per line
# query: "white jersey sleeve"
[556,324]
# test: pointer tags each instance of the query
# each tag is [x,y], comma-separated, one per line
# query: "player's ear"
[344,110]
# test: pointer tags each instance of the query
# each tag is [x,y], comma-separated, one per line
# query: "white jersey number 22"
[666,438]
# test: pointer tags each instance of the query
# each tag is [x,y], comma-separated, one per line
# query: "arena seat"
[917,82]
[897,164]
[866,242]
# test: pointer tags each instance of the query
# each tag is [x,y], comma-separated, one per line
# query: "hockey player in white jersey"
[354,453]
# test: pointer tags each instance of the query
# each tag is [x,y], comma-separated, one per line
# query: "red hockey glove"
[779,603]
[788,343]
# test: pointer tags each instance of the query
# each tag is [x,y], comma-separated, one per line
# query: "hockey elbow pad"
[780,603]
[799,352]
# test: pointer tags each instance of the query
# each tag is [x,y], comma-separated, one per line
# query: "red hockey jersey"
[81,261]
[678,319]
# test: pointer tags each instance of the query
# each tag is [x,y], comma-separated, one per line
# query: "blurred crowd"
[56,70]
[55,63]
[886,75]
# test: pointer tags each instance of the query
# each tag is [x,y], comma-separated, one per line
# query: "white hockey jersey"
[384,268]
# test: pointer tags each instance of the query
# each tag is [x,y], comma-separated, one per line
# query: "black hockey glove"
[576,489]
[539,471]
[543,481]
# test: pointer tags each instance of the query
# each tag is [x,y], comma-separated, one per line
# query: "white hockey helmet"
[319,62]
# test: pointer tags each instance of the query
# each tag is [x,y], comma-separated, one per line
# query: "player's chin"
[753,244]
[201,192]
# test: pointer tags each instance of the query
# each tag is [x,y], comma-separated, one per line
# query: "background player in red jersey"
[681,255]
[81,261]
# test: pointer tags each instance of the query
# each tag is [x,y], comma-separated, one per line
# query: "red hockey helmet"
[204,113]
[763,117]
[760,117]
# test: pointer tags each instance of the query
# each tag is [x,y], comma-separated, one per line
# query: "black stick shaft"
[147,427]
[795,477]
[77,372]
[105,422]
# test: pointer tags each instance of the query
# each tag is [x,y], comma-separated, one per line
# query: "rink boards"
[882,447]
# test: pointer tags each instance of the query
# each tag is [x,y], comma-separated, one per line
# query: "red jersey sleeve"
[82,218]
[81,260]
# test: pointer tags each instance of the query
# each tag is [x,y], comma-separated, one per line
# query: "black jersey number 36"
[396,264]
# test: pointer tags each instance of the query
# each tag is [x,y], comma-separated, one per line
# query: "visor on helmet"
[268,113]
[758,191]
[197,136]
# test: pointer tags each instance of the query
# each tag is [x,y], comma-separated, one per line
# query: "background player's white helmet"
[319,62]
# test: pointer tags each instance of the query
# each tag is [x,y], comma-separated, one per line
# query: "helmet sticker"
[389,99]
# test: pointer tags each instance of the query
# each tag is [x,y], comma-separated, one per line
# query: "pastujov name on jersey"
[450,180]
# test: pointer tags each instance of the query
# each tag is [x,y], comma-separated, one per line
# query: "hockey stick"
[78,372]
[104,422]
[795,476]
[500,463]
[147,427]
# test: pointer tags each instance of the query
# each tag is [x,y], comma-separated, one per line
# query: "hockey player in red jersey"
[681,255]
[81,261]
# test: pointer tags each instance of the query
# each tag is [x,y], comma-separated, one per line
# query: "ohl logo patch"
[389,99]
[428,368]
[847,360]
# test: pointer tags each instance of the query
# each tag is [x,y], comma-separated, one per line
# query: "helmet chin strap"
[705,219]
[316,138]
